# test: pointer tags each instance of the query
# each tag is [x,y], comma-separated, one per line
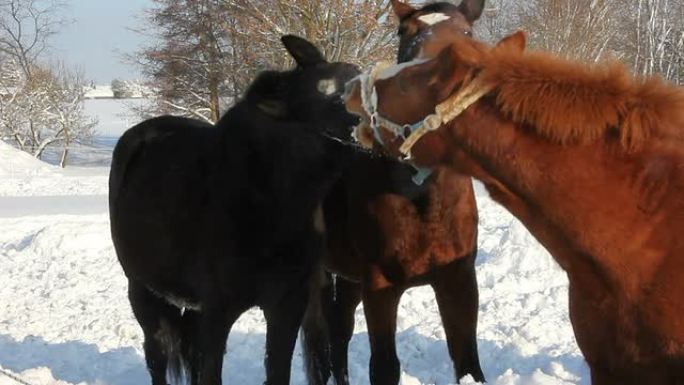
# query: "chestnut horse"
[590,159]
[387,234]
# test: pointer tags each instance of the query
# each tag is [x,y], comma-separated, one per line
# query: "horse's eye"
[468,33]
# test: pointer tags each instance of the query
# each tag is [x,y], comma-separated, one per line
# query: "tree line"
[646,35]
[206,51]
[202,54]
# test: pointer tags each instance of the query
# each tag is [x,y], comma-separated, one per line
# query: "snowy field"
[65,318]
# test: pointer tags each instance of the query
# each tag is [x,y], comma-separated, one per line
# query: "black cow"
[208,221]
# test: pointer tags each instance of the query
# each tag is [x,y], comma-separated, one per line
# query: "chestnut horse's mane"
[573,103]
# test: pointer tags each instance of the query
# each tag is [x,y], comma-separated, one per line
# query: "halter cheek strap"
[369,100]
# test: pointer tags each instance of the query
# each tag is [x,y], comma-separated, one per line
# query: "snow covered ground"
[65,318]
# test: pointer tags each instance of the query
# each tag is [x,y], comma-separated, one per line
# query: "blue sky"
[98,36]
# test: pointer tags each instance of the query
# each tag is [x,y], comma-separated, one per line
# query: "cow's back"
[164,185]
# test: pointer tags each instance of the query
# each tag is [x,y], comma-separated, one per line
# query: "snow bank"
[37,376]
[23,175]
[16,163]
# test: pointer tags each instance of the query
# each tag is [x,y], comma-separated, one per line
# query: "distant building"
[134,90]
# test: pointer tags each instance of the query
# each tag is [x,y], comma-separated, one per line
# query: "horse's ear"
[515,42]
[304,53]
[471,9]
[401,9]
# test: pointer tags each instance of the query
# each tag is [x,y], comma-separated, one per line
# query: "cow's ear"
[304,53]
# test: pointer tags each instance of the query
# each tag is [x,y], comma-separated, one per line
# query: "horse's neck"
[579,201]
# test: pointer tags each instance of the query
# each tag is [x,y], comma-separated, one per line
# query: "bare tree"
[188,66]
[346,30]
[655,37]
[26,27]
[41,106]
[120,89]
[209,50]
[45,111]
[647,34]
[583,29]
[11,101]
[67,123]
[500,18]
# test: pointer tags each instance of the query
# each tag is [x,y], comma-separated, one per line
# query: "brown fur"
[579,103]
[386,234]
[590,160]
[582,104]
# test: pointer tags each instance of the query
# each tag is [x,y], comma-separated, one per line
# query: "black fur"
[208,221]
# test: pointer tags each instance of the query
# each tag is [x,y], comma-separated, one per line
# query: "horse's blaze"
[433,18]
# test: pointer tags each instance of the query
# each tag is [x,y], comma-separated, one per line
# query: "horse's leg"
[157,318]
[380,308]
[283,318]
[456,291]
[345,296]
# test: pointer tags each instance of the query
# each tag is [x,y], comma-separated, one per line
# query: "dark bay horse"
[387,234]
[589,158]
[208,221]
